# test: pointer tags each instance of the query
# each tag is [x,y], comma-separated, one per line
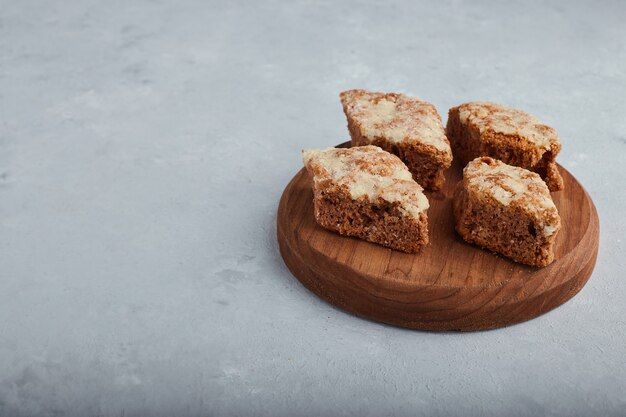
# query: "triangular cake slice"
[405,126]
[510,135]
[370,194]
[506,209]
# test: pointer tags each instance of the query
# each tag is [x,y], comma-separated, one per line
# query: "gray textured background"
[143,149]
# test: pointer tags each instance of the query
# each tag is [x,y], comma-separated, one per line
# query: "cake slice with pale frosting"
[405,126]
[368,193]
[510,135]
[506,209]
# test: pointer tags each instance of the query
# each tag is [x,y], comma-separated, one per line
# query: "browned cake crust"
[510,135]
[368,193]
[405,126]
[377,221]
[508,210]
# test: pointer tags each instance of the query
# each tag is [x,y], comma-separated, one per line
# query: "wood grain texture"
[450,284]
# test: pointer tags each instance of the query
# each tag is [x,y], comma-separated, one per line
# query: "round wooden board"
[450,284]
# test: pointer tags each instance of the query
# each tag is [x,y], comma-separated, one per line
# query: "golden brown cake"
[370,194]
[403,125]
[510,135]
[506,209]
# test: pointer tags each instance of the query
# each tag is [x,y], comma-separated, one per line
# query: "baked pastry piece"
[405,126]
[368,193]
[510,135]
[506,209]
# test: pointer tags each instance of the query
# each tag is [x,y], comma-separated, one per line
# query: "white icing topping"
[550,229]
[507,121]
[396,117]
[370,172]
[383,111]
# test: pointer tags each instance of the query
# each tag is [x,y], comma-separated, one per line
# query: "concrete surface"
[143,149]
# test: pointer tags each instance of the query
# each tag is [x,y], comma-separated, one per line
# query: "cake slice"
[510,135]
[506,209]
[403,125]
[368,193]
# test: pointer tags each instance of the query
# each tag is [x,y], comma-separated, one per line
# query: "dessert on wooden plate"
[403,125]
[510,135]
[449,285]
[368,193]
[506,209]
[501,205]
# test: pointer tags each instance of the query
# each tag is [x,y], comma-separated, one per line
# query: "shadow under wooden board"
[450,284]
